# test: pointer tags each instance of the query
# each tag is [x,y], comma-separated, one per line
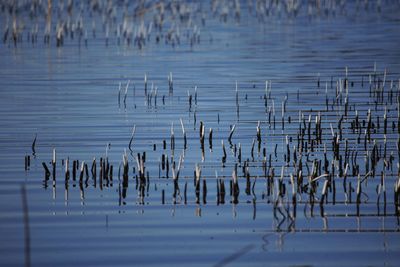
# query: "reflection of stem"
[254,209]
[264,246]
[54,190]
[82,193]
[198,211]
[280,241]
[66,194]
[233,257]
[326,228]
[26,227]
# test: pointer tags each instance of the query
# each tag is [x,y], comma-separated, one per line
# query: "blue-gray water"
[68,96]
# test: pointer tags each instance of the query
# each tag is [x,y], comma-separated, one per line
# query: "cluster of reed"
[317,153]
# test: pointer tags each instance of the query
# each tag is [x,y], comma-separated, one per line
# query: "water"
[68,96]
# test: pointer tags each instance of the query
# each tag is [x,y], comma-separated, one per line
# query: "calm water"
[68,96]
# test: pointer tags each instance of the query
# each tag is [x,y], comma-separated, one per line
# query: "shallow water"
[68,96]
